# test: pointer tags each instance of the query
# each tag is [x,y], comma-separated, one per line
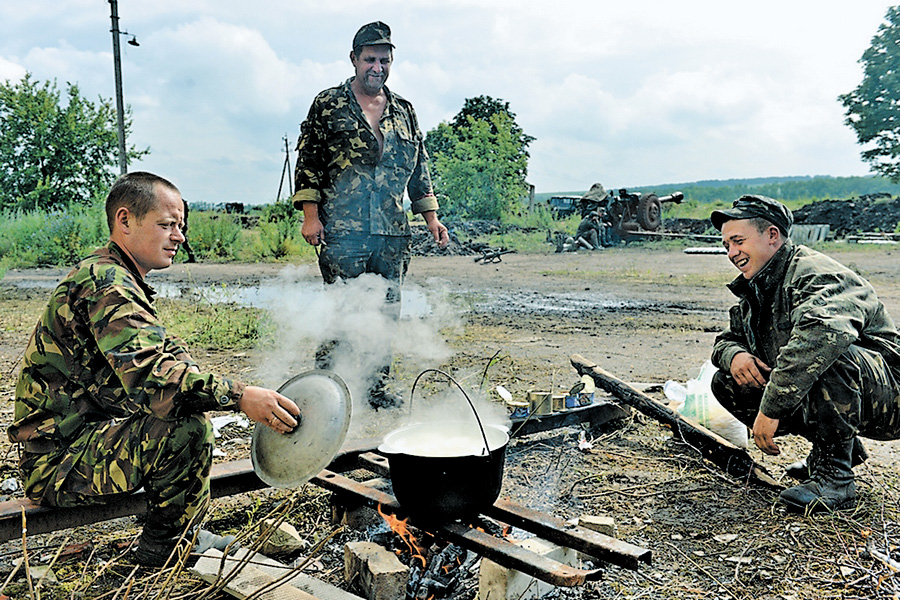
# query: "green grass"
[222,326]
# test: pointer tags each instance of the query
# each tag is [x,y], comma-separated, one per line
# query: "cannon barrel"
[677,197]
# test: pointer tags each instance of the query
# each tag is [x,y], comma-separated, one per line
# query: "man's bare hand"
[437,229]
[749,371]
[270,408]
[764,434]
[313,231]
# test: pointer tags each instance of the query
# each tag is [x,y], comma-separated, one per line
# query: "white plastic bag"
[701,406]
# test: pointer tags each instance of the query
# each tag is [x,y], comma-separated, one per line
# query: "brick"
[375,571]
[604,525]
[283,540]
[354,515]
[496,582]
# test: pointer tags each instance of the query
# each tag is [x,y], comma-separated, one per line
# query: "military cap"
[750,206]
[373,34]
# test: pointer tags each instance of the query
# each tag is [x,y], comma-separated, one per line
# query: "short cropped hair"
[136,192]
[762,225]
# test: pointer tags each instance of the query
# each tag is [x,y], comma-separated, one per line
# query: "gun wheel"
[649,212]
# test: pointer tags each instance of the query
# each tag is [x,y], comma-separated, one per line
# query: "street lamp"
[117,63]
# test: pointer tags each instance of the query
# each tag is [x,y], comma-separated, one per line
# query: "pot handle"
[487,447]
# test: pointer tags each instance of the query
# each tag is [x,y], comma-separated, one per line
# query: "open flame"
[399,527]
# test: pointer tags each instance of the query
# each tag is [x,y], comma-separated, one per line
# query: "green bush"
[279,232]
[214,235]
[57,238]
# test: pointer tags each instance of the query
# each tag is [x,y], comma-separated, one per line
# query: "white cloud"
[629,93]
[11,71]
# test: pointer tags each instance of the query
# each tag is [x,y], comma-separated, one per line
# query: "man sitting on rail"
[109,402]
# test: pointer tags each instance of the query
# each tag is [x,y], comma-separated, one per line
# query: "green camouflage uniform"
[339,166]
[107,403]
[359,189]
[589,230]
[833,349]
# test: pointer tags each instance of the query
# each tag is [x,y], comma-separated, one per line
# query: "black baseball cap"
[750,206]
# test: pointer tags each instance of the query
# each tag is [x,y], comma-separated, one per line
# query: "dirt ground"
[644,315]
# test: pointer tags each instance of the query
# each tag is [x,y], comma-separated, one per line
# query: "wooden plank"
[243,580]
[719,451]
[316,587]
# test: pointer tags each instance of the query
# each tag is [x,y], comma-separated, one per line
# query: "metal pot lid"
[290,460]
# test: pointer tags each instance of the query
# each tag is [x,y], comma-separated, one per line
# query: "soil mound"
[851,216]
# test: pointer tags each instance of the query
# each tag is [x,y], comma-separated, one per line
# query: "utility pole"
[120,107]
[286,170]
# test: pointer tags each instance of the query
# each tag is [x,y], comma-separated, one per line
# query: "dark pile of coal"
[688,226]
[851,216]
[461,232]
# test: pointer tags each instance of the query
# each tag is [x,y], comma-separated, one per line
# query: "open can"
[540,402]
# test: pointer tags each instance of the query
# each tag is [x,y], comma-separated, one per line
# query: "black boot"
[831,486]
[803,469]
[379,395]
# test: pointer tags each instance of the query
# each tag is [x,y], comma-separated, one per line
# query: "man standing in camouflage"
[108,402]
[360,149]
[810,350]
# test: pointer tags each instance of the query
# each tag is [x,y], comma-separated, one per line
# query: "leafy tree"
[481,175]
[479,160]
[873,108]
[53,154]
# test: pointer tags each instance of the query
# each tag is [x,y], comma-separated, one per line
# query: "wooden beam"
[713,447]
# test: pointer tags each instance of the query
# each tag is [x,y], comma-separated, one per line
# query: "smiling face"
[749,249]
[373,65]
[152,240]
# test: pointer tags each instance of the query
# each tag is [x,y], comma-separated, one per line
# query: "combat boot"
[379,395]
[803,469]
[831,486]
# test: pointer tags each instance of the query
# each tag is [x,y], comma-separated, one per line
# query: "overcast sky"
[625,92]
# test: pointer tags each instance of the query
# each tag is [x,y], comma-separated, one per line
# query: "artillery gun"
[628,212]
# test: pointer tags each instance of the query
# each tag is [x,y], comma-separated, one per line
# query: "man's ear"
[123,219]
[353,58]
[774,233]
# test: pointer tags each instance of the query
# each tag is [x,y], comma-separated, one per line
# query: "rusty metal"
[595,414]
[238,476]
[226,479]
[553,529]
[497,549]
[500,550]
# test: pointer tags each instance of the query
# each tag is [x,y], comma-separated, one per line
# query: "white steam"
[354,313]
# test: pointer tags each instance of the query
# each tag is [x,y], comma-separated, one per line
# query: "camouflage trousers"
[169,459]
[346,257]
[857,395]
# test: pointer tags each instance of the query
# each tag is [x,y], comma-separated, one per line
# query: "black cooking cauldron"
[443,471]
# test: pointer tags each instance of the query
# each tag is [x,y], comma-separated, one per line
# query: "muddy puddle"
[569,304]
[416,302]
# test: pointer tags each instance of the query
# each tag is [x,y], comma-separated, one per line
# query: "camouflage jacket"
[99,352]
[339,167]
[585,227]
[798,315]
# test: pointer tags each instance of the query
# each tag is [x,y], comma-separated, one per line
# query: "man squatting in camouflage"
[810,350]
[108,402]
[359,149]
